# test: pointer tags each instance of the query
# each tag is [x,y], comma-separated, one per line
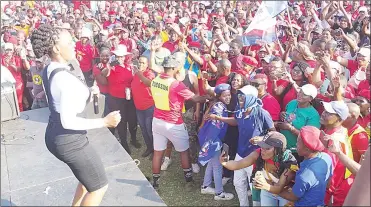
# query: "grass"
[172,182]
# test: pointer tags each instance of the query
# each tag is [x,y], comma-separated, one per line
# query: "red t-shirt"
[364,121]
[237,62]
[171,46]
[86,52]
[96,72]
[365,84]
[141,93]
[352,66]
[129,43]
[107,23]
[222,79]
[272,106]
[283,83]
[119,79]
[359,143]
[339,168]
[290,95]
[17,74]
[178,93]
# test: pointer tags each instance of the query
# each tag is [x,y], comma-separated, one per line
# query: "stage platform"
[32,176]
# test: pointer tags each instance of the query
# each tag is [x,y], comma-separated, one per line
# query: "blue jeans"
[145,118]
[268,199]
[214,169]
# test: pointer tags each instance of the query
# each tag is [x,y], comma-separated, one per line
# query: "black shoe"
[147,152]
[155,185]
[136,144]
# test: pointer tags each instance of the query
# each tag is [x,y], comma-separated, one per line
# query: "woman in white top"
[65,135]
[274,168]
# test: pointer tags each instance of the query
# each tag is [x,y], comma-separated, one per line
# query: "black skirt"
[72,147]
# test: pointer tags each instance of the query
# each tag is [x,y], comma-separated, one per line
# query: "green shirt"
[299,117]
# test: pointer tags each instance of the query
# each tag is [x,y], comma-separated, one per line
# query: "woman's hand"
[284,126]
[283,116]
[211,117]
[112,119]
[223,157]
[261,184]
[255,140]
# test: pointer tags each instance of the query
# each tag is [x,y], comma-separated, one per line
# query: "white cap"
[184,20]
[309,90]
[224,47]
[249,90]
[8,11]
[121,50]
[139,6]
[85,32]
[364,52]
[8,46]
[362,8]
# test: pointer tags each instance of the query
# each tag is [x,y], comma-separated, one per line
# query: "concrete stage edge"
[32,176]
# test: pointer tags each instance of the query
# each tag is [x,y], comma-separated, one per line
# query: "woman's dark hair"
[278,163]
[302,66]
[44,39]
[231,77]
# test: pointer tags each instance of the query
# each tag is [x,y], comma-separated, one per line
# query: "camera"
[338,32]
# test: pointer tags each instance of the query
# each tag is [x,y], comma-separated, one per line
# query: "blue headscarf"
[255,104]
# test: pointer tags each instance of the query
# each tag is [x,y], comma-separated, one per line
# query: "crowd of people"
[287,121]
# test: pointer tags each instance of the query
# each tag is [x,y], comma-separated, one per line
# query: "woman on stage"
[65,135]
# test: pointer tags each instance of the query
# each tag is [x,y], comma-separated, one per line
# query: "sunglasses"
[256,85]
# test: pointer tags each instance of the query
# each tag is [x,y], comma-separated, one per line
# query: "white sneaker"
[208,190]
[166,163]
[195,168]
[224,197]
[225,180]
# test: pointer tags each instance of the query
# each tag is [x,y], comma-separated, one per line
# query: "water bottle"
[127,93]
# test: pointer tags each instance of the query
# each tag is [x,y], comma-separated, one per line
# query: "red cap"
[365,94]
[111,13]
[194,44]
[311,138]
[250,61]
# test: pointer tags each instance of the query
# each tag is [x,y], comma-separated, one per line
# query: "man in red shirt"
[85,55]
[235,55]
[270,103]
[112,20]
[363,101]
[15,64]
[143,101]
[172,43]
[358,137]
[336,112]
[169,96]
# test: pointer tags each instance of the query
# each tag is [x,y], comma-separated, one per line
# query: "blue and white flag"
[262,27]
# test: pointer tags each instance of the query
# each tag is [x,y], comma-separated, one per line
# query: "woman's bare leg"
[79,195]
[94,198]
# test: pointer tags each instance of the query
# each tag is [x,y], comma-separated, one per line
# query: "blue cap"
[222,87]
[337,107]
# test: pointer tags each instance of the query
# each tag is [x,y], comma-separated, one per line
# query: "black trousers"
[128,118]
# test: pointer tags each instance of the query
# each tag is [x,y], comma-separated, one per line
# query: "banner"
[262,28]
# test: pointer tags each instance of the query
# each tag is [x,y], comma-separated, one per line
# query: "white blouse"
[69,98]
